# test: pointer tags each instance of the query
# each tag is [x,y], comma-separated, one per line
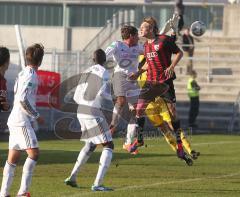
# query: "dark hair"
[127,31]
[4,55]
[99,56]
[153,23]
[193,72]
[34,54]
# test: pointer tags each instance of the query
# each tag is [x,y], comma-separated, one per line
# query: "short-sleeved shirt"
[126,57]
[25,91]
[92,89]
[158,55]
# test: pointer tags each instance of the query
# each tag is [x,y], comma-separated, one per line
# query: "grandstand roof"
[118,1]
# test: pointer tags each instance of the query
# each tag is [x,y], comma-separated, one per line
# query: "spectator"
[193,93]
[4,63]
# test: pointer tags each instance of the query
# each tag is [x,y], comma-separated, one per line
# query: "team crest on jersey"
[134,51]
[156,47]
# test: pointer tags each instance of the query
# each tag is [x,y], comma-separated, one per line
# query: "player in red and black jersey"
[160,74]
[158,52]
[4,63]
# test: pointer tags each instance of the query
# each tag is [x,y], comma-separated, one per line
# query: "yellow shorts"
[142,79]
[158,112]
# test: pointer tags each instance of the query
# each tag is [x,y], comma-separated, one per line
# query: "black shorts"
[152,90]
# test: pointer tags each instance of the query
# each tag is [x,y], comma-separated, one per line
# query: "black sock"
[140,122]
[139,129]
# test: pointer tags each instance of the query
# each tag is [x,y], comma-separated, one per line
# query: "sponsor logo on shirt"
[156,47]
[134,51]
[127,55]
[151,55]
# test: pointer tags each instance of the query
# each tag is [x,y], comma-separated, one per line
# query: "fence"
[235,114]
[70,64]
[111,30]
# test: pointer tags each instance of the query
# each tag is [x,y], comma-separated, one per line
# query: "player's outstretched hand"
[174,22]
[40,120]
[166,28]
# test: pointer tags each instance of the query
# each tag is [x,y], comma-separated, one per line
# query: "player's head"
[193,73]
[99,57]
[149,27]
[187,31]
[130,33]
[4,58]
[34,55]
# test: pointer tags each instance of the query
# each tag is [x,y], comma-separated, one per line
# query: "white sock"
[131,130]
[83,156]
[105,161]
[27,175]
[8,174]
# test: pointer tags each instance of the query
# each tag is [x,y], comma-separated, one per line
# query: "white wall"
[50,37]
[82,36]
[231,22]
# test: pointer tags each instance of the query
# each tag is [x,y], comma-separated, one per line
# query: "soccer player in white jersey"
[93,88]
[125,53]
[22,135]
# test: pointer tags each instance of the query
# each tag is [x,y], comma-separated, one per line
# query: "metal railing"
[235,114]
[204,59]
[110,31]
[72,63]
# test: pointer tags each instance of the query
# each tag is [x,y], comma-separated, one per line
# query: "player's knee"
[109,145]
[92,147]
[121,101]
[33,154]
[34,157]
[122,111]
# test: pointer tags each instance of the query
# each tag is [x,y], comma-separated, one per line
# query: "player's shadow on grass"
[65,157]
[52,157]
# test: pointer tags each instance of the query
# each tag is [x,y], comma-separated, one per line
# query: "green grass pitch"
[154,172]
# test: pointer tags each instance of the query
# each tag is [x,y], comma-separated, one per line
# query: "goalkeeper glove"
[174,23]
[166,28]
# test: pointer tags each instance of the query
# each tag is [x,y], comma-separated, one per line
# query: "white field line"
[165,183]
[170,182]
[161,183]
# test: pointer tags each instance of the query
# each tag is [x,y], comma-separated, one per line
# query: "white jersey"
[93,87]
[25,91]
[126,57]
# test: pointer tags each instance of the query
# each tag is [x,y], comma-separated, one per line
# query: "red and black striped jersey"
[158,55]
[3,87]
[3,91]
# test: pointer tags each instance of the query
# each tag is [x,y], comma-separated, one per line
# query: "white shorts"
[95,130]
[22,138]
